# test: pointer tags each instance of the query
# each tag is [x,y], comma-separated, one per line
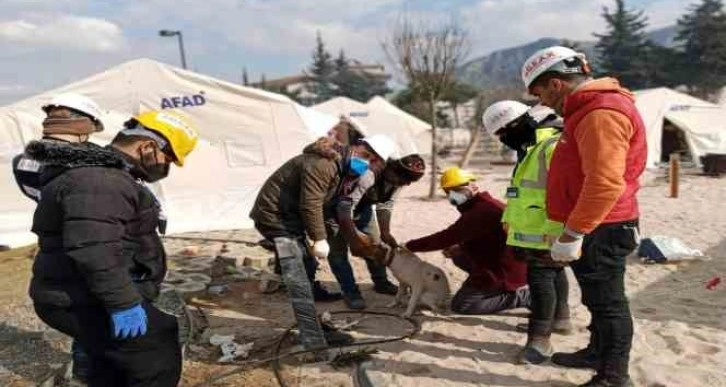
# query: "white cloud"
[65,31]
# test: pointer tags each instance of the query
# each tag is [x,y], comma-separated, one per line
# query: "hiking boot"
[601,381]
[354,301]
[385,287]
[536,351]
[584,358]
[320,294]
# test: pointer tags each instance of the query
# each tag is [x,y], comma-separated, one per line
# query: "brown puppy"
[427,283]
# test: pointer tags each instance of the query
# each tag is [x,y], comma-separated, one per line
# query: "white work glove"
[566,251]
[321,249]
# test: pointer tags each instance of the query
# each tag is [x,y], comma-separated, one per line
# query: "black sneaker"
[321,294]
[385,287]
[601,381]
[584,358]
[354,301]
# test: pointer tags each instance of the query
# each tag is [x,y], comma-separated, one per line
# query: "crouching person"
[476,243]
[101,260]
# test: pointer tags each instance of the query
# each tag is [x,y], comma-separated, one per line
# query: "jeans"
[472,300]
[297,267]
[601,275]
[153,359]
[339,261]
[548,289]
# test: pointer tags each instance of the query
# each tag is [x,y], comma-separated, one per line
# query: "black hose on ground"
[275,360]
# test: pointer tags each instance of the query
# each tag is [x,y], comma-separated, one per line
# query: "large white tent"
[703,123]
[419,129]
[376,121]
[245,134]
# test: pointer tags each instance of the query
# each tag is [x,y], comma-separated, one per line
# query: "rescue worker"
[100,259]
[291,207]
[525,219]
[591,188]
[476,243]
[355,213]
[70,118]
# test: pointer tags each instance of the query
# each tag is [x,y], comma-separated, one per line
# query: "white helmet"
[381,144]
[552,59]
[79,103]
[500,114]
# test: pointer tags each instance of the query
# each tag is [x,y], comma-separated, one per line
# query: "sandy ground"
[680,326]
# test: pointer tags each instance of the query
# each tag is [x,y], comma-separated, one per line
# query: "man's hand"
[566,248]
[381,253]
[453,251]
[388,239]
[362,245]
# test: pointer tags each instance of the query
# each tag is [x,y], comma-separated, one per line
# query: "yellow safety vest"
[526,214]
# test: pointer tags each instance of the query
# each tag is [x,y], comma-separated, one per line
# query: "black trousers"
[548,289]
[150,360]
[472,300]
[601,275]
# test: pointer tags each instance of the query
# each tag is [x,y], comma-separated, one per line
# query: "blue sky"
[47,43]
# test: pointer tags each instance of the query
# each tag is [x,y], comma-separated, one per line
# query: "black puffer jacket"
[96,230]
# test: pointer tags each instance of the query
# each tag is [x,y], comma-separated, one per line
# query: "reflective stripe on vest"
[541,182]
[531,238]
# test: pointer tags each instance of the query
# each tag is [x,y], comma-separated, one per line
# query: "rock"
[217,289]
[191,289]
[199,277]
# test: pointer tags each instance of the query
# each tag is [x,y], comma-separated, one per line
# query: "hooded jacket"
[599,158]
[96,228]
[299,196]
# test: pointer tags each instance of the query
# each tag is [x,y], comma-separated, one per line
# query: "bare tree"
[427,55]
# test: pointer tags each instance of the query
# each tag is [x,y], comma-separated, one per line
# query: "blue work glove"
[129,323]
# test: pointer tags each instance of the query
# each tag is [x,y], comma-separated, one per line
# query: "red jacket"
[479,232]
[594,172]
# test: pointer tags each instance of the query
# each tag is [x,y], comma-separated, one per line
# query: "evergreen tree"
[623,48]
[702,36]
[245,78]
[322,71]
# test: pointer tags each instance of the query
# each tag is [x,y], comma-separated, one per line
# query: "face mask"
[149,169]
[520,136]
[457,198]
[358,165]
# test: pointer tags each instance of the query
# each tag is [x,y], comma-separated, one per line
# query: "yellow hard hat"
[455,176]
[175,128]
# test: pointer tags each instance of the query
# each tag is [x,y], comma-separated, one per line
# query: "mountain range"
[500,69]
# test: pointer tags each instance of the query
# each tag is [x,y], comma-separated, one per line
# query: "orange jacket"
[595,167]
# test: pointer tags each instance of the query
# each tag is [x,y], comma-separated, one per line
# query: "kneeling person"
[476,243]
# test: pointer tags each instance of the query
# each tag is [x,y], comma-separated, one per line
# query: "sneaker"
[320,294]
[385,287]
[354,301]
[536,351]
[584,358]
[601,381]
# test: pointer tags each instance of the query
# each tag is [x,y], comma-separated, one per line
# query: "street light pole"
[181,50]
[178,34]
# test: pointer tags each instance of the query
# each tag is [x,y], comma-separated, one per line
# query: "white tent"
[703,123]
[374,121]
[245,134]
[419,129]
